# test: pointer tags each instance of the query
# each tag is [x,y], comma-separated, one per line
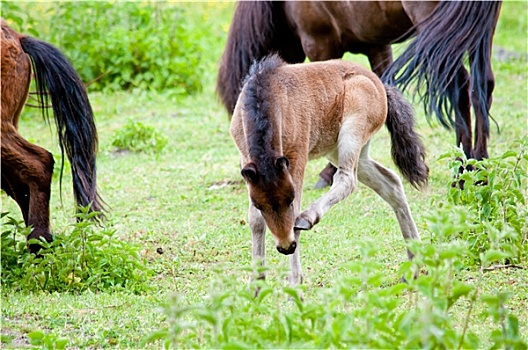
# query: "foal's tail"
[408,151]
[56,78]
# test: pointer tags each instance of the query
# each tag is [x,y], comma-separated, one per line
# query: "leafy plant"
[47,341]
[18,17]
[485,223]
[491,208]
[83,259]
[13,251]
[138,137]
[126,45]
[363,309]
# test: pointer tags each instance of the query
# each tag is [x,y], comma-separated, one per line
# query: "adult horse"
[27,168]
[446,32]
[288,114]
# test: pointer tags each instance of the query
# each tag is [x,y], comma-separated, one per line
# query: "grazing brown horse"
[445,33]
[288,114]
[27,168]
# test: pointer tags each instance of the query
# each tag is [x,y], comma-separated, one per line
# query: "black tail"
[437,54]
[408,151]
[258,28]
[56,78]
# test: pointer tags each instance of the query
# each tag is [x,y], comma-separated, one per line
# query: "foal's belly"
[325,149]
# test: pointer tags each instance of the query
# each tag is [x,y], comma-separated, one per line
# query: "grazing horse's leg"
[389,187]
[463,113]
[345,179]
[17,190]
[380,57]
[481,126]
[35,168]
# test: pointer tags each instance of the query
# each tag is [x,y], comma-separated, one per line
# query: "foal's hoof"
[302,224]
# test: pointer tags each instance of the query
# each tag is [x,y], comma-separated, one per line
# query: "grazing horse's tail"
[258,29]
[437,54]
[56,78]
[408,151]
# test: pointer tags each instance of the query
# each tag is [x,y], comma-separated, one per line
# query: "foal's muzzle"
[289,250]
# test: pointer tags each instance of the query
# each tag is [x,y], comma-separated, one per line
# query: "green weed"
[363,309]
[47,340]
[490,212]
[138,137]
[87,258]
[125,45]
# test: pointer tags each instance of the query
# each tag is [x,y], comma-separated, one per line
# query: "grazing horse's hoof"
[322,183]
[326,176]
[302,224]
[39,234]
[460,183]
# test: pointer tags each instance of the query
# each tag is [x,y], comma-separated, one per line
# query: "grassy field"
[190,201]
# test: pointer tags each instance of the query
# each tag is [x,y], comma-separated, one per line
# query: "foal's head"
[272,191]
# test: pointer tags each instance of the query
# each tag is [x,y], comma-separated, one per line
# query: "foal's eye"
[257,206]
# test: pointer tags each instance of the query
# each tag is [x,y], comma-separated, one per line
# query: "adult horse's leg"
[380,57]
[463,112]
[16,78]
[17,190]
[34,167]
[480,149]
[389,187]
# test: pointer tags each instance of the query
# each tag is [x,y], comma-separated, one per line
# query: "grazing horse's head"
[272,191]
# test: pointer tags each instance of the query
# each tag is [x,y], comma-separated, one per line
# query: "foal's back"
[312,101]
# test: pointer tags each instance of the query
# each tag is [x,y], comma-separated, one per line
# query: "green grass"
[190,201]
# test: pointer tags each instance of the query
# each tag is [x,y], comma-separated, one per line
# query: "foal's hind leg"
[389,187]
[32,165]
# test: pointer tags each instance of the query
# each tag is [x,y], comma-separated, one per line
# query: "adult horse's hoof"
[322,183]
[302,224]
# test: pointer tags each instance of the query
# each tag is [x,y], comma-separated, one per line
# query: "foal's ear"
[282,163]
[249,172]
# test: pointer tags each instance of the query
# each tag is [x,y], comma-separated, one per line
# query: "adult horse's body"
[288,114]
[27,168]
[322,30]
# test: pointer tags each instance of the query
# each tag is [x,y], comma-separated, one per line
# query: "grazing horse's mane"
[257,114]
[251,39]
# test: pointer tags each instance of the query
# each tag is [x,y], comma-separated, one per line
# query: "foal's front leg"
[258,240]
[345,179]
[345,182]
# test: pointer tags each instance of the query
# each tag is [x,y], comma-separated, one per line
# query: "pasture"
[185,206]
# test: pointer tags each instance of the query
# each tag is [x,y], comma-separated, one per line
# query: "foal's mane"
[257,107]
